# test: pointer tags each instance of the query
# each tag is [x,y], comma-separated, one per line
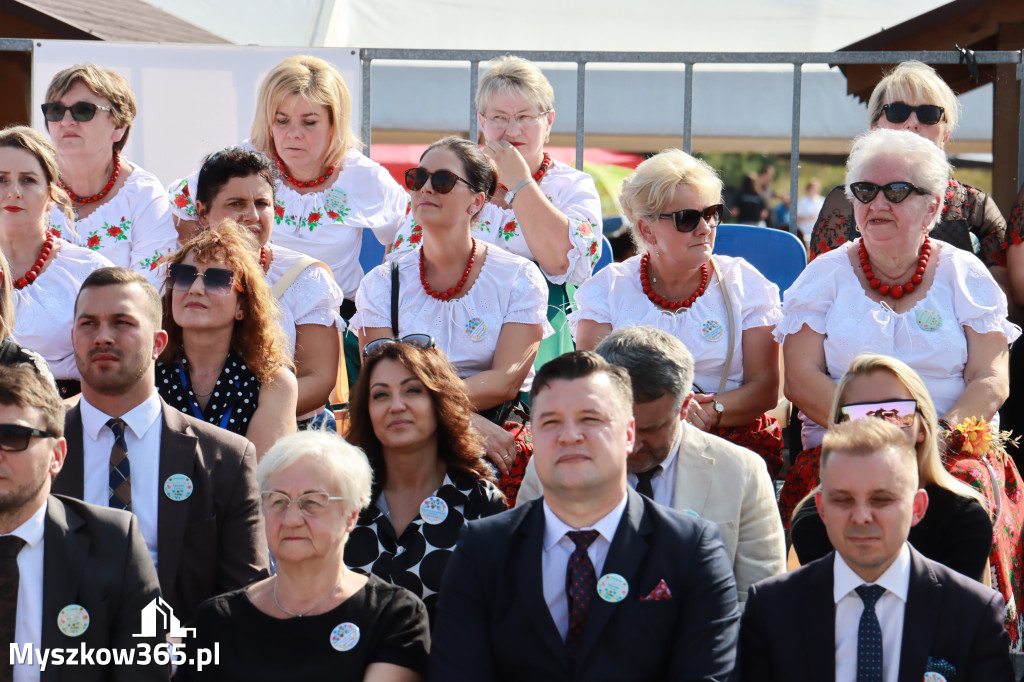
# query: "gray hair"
[915,80]
[515,74]
[347,463]
[657,362]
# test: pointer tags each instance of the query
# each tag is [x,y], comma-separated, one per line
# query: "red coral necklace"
[545,166]
[298,183]
[37,267]
[896,290]
[454,291]
[103,192]
[663,302]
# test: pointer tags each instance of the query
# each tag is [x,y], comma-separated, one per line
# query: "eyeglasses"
[688,219]
[419,340]
[220,281]
[443,181]
[898,412]
[927,114]
[865,192]
[80,111]
[310,504]
[522,121]
[15,437]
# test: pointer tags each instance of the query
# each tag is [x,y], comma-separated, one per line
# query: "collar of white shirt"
[139,419]
[668,465]
[31,531]
[896,578]
[555,528]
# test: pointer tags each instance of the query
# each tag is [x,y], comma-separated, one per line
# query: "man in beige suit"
[682,467]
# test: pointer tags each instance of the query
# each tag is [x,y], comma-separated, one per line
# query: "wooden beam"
[1006,120]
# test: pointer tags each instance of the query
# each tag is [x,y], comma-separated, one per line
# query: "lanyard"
[198,413]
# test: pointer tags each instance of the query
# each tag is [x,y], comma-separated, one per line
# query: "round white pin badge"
[73,620]
[612,587]
[178,487]
[434,510]
[345,636]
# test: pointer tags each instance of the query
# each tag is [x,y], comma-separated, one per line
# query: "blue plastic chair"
[606,255]
[778,255]
[371,254]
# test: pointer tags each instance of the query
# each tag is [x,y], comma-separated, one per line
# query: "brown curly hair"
[257,337]
[459,445]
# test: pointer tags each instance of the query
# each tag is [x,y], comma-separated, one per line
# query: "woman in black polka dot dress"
[225,360]
[411,414]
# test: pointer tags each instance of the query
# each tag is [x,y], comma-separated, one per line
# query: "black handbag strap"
[394,299]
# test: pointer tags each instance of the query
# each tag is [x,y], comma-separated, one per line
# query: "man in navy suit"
[592,581]
[875,610]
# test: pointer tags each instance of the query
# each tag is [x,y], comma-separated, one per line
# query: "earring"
[239,315]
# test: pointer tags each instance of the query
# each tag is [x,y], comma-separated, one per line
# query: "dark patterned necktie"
[869,636]
[10,545]
[644,485]
[580,587]
[120,483]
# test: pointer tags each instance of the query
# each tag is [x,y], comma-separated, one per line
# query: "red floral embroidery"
[415,237]
[593,248]
[840,240]
[181,201]
[279,210]
[114,230]
[94,241]
[510,227]
[314,217]
[332,215]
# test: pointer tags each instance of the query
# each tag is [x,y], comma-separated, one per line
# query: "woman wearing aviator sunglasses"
[721,308]
[225,360]
[120,209]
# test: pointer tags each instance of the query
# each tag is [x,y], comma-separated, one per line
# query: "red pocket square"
[659,593]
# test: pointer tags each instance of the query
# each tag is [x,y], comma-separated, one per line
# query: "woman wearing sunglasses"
[894,291]
[225,360]
[45,270]
[119,209]
[543,210]
[914,97]
[721,308]
[315,619]
[483,305]
[411,416]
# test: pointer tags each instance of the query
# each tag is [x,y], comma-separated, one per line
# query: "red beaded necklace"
[663,302]
[545,166]
[450,293]
[298,183]
[263,257]
[103,192]
[896,290]
[31,275]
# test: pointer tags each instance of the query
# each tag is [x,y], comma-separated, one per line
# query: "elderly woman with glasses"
[543,210]
[315,619]
[721,308]
[120,209]
[411,416]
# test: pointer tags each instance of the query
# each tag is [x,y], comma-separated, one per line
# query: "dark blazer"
[211,543]
[788,629]
[494,624]
[95,557]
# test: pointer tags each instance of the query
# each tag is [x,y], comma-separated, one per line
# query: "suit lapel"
[65,552]
[920,616]
[71,480]
[531,585]
[693,472]
[179,454]
[818,622]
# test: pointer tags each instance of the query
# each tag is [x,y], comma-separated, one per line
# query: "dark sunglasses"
[898,412]
[687,219]
[927,114]
[181,277]
[419,340]
[15,437]
[865,192]
[443,181]
[80,111]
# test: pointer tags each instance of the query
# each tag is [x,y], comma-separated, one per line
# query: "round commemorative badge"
[929,320]
[434,510]
[73,620]
[476,329]
[712,330]
[612,587]
[345,636]
[178,487]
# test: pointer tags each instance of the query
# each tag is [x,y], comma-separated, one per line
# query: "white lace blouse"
[615,296]
[313,298]
[508,289]
[929,337]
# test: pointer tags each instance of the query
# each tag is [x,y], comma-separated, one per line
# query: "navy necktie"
[120,482]
[869,636]
[580,587]
[644,486]
[10,545]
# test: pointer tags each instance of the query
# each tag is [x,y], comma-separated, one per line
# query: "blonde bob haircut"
[350,470]
[647,191]
[915,80]
[104,83]
[511,74]
[36,144]
[315,81]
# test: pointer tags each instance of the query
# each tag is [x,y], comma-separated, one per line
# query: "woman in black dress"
[411,415]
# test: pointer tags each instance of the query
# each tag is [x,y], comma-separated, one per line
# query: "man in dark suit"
[191,485]
[875,610]
[592,581]
[72,575]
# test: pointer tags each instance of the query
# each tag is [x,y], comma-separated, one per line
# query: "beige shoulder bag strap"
[729,324]
[293,274]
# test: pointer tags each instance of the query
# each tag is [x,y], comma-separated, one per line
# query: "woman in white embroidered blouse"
[120,209]
[894,291]
[483,306]
[721,308]
[46,270]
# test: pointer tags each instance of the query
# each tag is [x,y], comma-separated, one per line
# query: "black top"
[236,395]
[13,354]
[392,627]
[955,531]
[417,560]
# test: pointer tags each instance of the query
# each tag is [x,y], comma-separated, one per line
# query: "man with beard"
[680,466]
[191,485]
[73,576]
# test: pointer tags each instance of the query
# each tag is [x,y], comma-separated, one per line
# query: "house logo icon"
[158,618]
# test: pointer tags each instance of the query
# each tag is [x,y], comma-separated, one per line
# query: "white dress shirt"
[557,550]
[29,626]
[663,483]
[143,440]
[890,609]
